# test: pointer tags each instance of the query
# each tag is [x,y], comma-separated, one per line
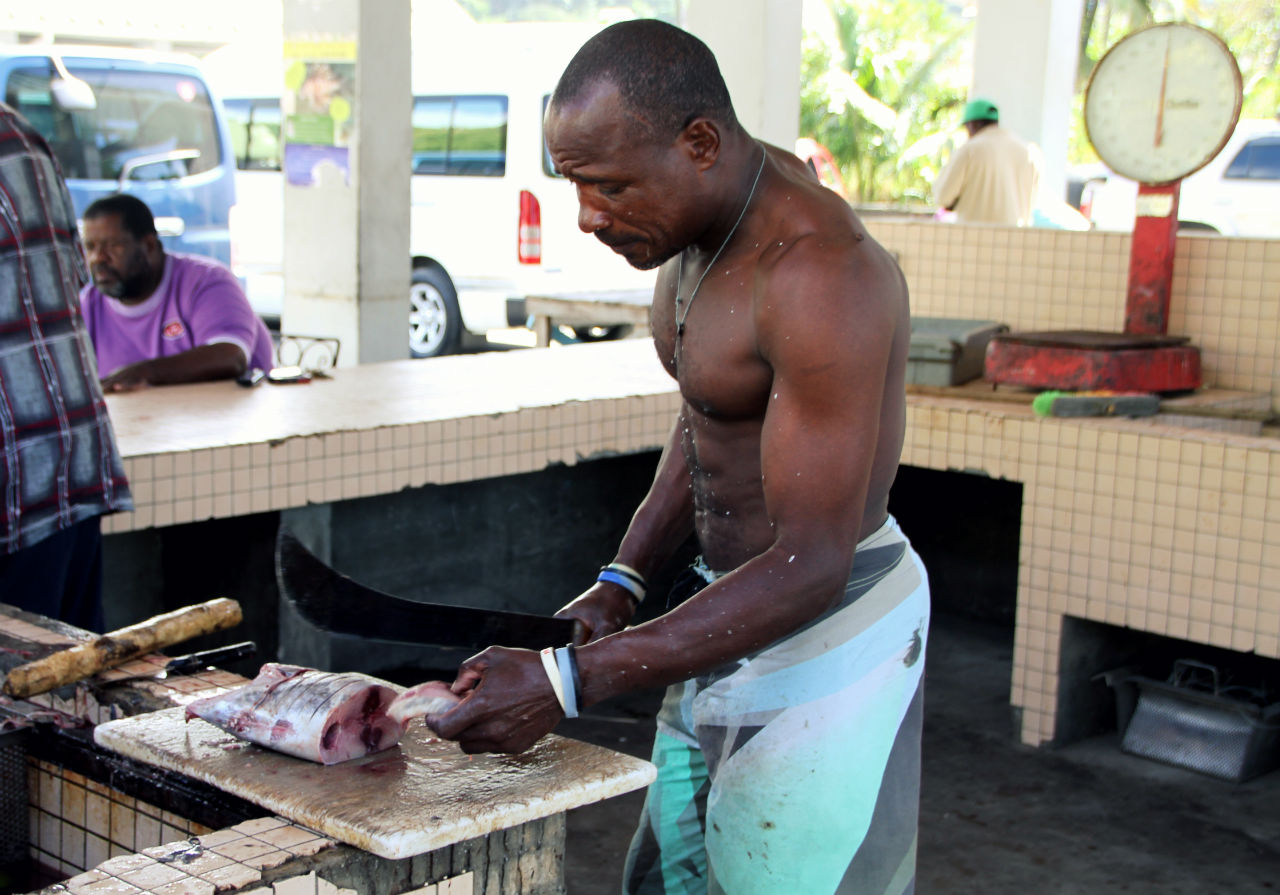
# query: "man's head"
[665,77]
[979,113]
[122,248]
[639,112]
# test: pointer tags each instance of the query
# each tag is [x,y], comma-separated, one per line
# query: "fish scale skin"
[290,709]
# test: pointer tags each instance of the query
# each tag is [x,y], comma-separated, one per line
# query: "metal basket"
[1193,722]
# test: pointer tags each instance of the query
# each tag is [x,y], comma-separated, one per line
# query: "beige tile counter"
[217,450]
[1157,528]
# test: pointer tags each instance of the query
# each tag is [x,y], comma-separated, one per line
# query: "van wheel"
[601,333]
[434,319]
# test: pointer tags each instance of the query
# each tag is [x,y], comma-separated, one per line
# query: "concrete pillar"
[1025,57]
[757,43]
[346,101]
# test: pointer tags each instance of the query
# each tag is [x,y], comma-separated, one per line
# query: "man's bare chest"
[720,371]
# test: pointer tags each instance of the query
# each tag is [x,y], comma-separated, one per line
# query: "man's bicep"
[822,428]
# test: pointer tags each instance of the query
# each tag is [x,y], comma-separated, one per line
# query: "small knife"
[193,662]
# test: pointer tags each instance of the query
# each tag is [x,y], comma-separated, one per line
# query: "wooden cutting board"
[418,796]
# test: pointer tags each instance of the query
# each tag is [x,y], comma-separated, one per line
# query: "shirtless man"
[788,745]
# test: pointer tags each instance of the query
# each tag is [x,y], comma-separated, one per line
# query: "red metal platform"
[1142,358]
[1089,361]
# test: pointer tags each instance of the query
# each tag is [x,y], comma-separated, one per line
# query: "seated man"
[160,318]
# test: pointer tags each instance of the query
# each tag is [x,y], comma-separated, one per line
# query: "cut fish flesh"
[424,699]
[321,716]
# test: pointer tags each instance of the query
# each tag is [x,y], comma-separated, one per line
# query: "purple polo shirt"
[198,302]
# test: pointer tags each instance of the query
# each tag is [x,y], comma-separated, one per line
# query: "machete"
[335,603]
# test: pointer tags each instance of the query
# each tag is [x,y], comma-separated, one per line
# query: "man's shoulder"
[91,297]
[999,134]
[190,273]
[842,264]
[199,264]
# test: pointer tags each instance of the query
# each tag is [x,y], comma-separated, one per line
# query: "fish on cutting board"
[424,699]
[322,716]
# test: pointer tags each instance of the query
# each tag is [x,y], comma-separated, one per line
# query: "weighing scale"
[1159,106]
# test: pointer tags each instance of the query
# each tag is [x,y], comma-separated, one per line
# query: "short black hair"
[134,213]
[665,76]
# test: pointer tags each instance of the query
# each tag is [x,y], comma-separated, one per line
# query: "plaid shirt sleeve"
[59,463]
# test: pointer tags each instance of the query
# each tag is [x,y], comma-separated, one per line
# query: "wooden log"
[117,647]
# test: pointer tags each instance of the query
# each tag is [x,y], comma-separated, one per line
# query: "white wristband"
[566,682]
[548,657]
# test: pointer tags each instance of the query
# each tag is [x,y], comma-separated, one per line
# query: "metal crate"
[946,351]
[1192,722]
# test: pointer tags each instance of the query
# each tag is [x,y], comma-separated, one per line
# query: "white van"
[490,220]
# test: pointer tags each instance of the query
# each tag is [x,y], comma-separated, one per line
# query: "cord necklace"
[680,318]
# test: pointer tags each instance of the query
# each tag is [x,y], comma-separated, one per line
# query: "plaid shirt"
[59,463]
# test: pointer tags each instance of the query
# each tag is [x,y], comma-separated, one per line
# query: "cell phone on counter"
[251,377]
[288,375]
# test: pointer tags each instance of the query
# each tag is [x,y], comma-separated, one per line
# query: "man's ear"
[701,142]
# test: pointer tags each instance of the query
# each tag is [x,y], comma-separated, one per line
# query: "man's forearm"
[664,519]
[200,364]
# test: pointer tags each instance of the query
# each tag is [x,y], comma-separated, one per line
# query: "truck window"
[1258,160]
[464,135]
[255,133]
[138,114]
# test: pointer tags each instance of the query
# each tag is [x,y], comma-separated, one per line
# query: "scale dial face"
[1163,102]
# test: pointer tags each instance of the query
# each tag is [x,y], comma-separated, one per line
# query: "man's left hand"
[507,706]
[128,379]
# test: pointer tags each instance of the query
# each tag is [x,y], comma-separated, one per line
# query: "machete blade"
[332,602]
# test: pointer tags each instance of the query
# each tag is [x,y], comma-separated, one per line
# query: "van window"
[138,114]
[255,133]
[548,166]
[465,135]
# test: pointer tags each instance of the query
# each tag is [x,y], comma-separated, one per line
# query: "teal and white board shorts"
[797,770]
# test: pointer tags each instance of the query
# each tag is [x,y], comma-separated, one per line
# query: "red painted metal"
[1157,368]
[1151,259]
[1143,358]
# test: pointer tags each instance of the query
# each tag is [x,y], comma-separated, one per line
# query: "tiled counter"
[1162,529]
[217,450]
[1158,528]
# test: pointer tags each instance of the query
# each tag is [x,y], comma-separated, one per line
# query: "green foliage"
[879,89]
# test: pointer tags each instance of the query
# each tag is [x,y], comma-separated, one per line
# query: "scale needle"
[1164,82]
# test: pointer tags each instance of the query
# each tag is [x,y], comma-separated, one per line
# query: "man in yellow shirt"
[993,176]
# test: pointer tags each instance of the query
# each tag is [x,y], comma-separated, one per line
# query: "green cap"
[980,110]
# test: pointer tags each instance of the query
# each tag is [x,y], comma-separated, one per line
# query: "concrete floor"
[999,818]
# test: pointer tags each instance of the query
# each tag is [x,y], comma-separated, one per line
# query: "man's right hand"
[507,703]
[601,610]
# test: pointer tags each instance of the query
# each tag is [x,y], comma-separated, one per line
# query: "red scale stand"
[1142,358]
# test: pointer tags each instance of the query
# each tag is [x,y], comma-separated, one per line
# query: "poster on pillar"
[319,110]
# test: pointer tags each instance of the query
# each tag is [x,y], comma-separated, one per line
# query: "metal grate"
[13,798]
